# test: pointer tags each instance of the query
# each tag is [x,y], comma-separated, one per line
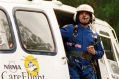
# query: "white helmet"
[84,7]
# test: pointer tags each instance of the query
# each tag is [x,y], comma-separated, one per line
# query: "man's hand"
[91,50]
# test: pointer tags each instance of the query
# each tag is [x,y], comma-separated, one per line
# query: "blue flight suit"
[80,68]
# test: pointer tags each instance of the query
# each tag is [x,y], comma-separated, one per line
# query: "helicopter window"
[34,30]
[104,33]
[6,40]
[108,48]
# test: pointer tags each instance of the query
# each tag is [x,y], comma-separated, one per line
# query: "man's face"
[84,17]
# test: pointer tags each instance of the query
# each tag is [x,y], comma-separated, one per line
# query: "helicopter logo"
[32,65]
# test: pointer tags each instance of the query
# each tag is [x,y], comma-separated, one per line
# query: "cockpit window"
[108,48]
[34,31]
[6,40]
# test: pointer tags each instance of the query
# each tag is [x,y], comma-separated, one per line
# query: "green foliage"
[104,9]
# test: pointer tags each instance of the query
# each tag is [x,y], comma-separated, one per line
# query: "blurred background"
[107,10]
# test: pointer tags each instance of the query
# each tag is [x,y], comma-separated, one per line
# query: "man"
[82,44]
